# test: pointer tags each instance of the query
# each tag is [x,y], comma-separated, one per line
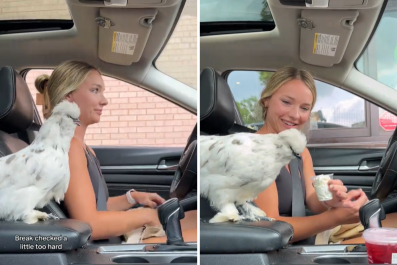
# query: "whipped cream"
[320,184]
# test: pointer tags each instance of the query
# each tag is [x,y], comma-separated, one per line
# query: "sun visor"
[123,34]
[325,35]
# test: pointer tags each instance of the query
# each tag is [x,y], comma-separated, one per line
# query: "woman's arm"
[81,205]
[304,227]
[120,203]
[308,226]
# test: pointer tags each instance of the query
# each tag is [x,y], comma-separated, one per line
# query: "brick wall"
[133,116]
[33,9]
[179,58]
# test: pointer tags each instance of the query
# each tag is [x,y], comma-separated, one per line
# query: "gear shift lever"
[371,214]
[170,213]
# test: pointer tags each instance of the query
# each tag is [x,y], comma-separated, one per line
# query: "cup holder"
[185,260]
[130,260]
[331,260]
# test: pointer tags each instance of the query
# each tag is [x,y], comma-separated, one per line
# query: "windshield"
[234,11]
[23,10]
[179,57]
[379,60]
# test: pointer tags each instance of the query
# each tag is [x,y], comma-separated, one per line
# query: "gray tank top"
[97,180]
[100,189]
[284,189]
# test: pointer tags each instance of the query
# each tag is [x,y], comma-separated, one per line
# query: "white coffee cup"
[320,184]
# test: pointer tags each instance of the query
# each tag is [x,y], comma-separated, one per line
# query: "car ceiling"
[282,46]
[48,49]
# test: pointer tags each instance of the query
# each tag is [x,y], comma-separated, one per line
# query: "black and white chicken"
[236,168]
[33,176]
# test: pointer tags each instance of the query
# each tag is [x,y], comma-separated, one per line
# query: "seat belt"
[100,189]
[101,204]
[35,127]
[97,182]
[298,200]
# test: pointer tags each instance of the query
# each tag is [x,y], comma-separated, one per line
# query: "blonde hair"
[66,78]
[282,76]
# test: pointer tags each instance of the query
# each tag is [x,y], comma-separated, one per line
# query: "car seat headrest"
[217,113]
[16,103]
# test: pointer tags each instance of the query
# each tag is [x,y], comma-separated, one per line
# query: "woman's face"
[289,107]
[90,98]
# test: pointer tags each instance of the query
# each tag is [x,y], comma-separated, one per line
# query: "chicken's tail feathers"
[295,139]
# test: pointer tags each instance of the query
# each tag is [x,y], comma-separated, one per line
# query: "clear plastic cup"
[320,184]
[381,245]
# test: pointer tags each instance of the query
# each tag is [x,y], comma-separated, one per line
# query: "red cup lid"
[382,235]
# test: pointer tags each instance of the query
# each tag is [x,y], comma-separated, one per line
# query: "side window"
[336,108]
[337,117]
[133,117]
[179,57]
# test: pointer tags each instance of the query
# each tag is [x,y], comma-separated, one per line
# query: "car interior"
[169,171]
[233,40]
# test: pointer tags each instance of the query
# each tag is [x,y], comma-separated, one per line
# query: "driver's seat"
[16,118]
[217,116]
[217,113]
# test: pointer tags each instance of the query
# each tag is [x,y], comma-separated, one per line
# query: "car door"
[147,169]
[355,166]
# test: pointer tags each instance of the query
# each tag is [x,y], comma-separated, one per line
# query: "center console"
[66,241]
[332,254]
[110,254]
[265,243]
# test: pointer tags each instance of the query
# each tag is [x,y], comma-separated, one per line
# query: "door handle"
[163,166]
[364,167]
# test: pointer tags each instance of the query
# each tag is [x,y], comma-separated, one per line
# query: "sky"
[231,10]
[333,100]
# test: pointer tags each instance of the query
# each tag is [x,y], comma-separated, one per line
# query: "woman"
[82,83]
[286,103]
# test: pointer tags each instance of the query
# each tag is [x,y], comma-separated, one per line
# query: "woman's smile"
[289,124]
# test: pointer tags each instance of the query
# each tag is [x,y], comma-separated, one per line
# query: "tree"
[265,13]
[248,109]
[264,77]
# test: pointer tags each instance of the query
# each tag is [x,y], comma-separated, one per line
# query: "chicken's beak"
[295,154]
[77,121]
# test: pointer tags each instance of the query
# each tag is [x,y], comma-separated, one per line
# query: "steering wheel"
[386,177]
[185,177]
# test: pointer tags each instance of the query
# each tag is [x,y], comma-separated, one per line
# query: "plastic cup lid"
[380,235]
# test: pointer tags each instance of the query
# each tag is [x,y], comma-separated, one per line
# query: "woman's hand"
[147,199]
[339,194]
[153,217]
[350,214]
